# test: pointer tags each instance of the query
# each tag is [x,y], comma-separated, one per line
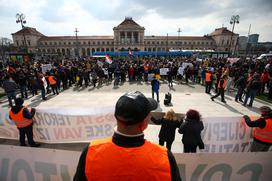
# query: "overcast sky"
[159,17]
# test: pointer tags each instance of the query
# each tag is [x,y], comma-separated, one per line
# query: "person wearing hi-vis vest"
[53,83]
[22,117]
[221,89]
[127,155]
[208,82]
[262,130]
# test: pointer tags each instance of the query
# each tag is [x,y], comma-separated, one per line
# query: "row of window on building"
[111,43]
[146,43]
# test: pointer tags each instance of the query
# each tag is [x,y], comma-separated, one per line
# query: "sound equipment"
[167,99]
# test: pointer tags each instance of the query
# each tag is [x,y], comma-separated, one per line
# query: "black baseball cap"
[19,101]
[133,107]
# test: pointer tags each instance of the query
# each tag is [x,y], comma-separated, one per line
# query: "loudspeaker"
[167,99]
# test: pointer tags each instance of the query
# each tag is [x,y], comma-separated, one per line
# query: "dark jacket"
[155,85]
[254,85]
[241,83]
[9,86]
[127,142]
[191,130]
[168,128]
[260,123]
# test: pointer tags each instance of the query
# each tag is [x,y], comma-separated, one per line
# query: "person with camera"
[169,123]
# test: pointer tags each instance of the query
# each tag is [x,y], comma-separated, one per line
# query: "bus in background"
[265,56]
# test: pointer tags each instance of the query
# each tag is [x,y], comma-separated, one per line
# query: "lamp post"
[234,19]
[77,51]
[20,18]
[179,30]
[167,42]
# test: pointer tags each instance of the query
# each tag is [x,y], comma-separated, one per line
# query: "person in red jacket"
[262,130]
[127,155]
[22,117]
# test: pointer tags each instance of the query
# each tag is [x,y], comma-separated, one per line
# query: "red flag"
[108,59]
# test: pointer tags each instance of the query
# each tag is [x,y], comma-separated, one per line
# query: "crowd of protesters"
[250,77]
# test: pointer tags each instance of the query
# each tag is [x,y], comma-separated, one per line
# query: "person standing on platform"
[127,155]
[22,117]
[169,124]
[262,130]
[221,89]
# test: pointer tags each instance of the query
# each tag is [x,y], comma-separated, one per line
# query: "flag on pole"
[130,52]
[108,59]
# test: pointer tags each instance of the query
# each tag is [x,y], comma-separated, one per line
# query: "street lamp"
[234,19]
[77,50]
[20,18]
[179,30]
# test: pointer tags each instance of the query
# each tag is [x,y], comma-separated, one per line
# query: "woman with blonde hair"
[169,123]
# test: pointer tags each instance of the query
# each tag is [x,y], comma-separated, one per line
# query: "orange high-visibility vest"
[107,161]
[265,134]
[208,77]
[51,80]
[146,67]
[224,84]
[19,119]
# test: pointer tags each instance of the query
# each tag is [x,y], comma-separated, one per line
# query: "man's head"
[133,108]
[19,101]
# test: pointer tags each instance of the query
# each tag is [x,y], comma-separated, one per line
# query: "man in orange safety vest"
[127,155]
[262,130]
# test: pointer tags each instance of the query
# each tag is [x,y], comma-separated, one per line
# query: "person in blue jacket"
[155,88]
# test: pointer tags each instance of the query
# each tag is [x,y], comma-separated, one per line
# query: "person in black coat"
[168,123]
[191,129]
[241,85]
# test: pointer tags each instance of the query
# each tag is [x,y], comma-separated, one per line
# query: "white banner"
[220,135]
[164,71]
[225,166]
[62,126]
[29,164]
[46,67]
[226,135]
[150,76]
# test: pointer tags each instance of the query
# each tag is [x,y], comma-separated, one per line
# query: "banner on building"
[29,164]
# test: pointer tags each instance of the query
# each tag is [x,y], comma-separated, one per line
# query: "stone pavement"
[184,97]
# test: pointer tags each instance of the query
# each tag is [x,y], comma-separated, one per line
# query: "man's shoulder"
[101,141]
